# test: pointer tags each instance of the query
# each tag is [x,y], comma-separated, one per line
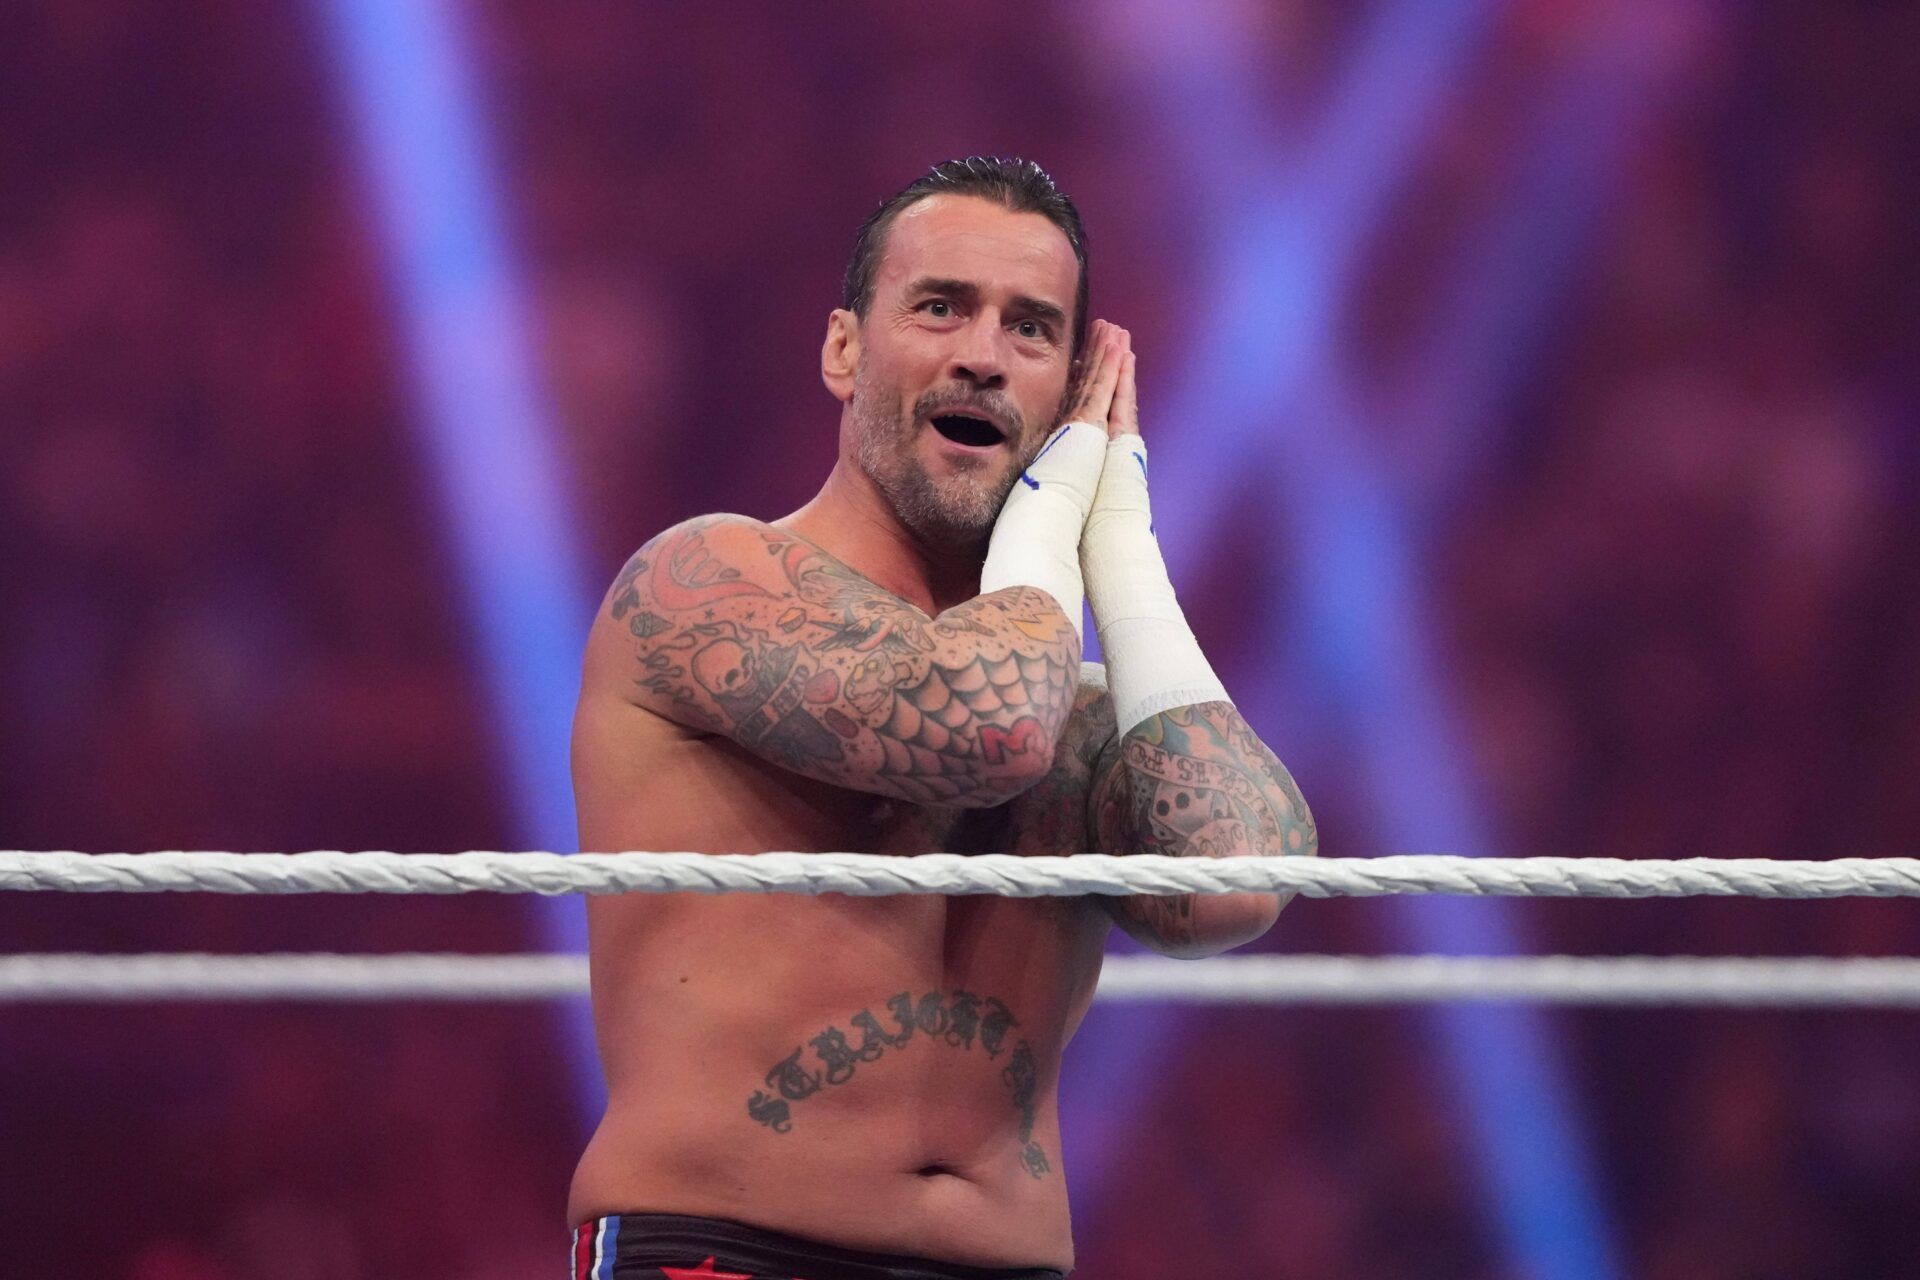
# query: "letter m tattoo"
[996,744]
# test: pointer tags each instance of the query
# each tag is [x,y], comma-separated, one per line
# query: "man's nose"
[980,359]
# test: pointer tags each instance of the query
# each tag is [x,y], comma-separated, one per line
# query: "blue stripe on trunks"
[606,1247]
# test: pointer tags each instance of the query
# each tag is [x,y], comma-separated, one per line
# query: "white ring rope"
[1256,979]
[870,875]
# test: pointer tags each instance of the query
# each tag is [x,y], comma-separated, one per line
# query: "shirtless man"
[831,1087]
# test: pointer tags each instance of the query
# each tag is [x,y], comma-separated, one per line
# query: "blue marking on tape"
[1141,458]
[1057,436]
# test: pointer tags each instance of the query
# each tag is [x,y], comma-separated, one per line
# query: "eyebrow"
[967,291]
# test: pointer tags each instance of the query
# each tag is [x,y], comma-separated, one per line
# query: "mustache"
[993,405]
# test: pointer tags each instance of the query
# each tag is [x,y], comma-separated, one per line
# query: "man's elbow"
[997,782]
[1012,754]
[1195,926]
[1223,921]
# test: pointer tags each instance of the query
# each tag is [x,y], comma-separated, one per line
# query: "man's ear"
[840,354]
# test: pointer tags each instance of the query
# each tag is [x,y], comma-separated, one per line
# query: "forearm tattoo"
[1195,782]
[957,1020]
[741,629]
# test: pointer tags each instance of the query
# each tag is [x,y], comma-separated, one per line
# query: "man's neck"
[850,520]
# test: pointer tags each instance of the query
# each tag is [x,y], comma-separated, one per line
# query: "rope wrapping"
[1245,980]
[1009,875]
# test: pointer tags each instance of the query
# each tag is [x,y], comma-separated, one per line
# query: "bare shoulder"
[698,562]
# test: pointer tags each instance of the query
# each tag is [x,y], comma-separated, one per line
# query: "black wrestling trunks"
[666,1246]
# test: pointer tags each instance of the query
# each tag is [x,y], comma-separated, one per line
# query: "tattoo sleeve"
[1196,782]
[741,629]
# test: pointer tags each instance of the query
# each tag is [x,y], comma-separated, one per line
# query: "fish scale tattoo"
[820,670]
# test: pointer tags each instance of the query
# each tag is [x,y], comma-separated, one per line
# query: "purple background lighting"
[1531,393]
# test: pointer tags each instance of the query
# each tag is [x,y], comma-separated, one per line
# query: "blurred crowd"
[1680,605]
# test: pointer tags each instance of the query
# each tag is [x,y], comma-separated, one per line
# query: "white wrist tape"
[1036,540]
[1153,662]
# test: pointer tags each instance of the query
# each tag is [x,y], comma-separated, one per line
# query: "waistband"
[666,1246]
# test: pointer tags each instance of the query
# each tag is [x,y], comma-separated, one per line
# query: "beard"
[955,511]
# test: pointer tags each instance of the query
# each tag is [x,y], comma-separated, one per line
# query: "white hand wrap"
[1036,540]
[1153,662]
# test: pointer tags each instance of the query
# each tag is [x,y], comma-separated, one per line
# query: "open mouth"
[964,428]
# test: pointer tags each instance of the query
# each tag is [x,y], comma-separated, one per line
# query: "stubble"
[954,511]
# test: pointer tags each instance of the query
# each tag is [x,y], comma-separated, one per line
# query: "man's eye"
[1031,329]
[944,309]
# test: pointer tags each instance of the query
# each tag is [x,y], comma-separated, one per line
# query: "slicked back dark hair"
[1018,186]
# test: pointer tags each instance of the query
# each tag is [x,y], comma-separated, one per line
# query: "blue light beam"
[418,128]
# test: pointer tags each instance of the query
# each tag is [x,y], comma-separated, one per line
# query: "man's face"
[964,360]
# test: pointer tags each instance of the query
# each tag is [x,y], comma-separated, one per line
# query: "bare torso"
[877,1073]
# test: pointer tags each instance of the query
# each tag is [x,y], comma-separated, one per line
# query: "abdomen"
[878,1072]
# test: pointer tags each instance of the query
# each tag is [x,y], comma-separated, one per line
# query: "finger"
[1089,365]
[1124,419]
[1095,400]
[1105,380]
[1121,376]
[1092,349]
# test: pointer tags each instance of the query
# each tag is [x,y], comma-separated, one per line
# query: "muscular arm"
[733,627]
[1195,782]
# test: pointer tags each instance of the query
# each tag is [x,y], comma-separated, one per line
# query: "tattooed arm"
[1195,782]
[1187,777]
[737,628]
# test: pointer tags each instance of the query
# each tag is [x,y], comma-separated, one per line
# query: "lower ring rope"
[1256,979]
[870,875]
